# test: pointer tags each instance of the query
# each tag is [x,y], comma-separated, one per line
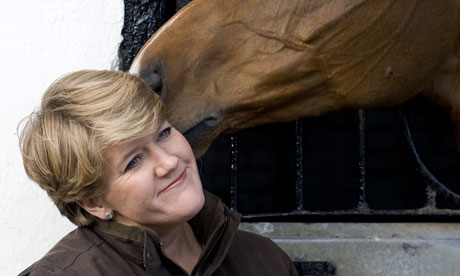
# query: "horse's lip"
[175,182]
[201,128]
[201,134]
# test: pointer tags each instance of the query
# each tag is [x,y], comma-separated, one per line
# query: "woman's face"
[153,181]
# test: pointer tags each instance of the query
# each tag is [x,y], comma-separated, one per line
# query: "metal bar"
[430,197]
[299,164]
[362,204]
[234,173]
[431,180]
[357,212]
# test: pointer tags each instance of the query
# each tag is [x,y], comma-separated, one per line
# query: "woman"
[102,149]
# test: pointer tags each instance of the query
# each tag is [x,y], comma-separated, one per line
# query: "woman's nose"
[165,162]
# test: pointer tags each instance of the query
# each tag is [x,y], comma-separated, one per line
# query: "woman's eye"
[164,133]
[133,163]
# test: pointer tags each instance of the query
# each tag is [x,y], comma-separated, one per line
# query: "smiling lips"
[176,182]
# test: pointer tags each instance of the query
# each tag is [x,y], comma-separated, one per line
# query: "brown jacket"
[109,248]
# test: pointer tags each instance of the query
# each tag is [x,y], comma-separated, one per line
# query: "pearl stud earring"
[108,216]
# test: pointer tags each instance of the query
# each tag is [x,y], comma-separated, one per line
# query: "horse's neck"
[293,19]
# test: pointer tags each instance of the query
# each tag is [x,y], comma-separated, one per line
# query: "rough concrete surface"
[367,249]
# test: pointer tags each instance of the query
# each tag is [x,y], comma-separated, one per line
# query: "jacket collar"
[214,226]
[127,240]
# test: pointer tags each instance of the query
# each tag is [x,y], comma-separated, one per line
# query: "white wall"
[40,41]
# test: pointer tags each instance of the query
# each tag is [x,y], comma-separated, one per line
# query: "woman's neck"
[181,246]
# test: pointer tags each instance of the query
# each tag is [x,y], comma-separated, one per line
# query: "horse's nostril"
[158,87]
[154,78]
[154,81]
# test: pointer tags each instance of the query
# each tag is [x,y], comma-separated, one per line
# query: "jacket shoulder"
[80,243]
[249,239]
[260,255]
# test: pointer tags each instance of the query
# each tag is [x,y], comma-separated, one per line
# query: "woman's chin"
[189,204]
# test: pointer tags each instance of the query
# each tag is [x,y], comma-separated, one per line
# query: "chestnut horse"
[226,65]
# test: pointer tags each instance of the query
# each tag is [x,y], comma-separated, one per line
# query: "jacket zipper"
[164,254]
[211,248]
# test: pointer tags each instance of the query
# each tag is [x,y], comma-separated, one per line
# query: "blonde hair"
[82,114]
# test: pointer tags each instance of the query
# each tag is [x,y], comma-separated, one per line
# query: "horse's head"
[217,74]
[225,65]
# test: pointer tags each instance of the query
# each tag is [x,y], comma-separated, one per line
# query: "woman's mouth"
[175,182]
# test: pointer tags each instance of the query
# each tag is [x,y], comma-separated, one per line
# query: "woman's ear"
[94,208]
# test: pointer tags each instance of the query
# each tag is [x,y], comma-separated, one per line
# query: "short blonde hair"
[82,114]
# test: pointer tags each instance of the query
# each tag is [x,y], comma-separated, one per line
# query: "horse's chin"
[201,135]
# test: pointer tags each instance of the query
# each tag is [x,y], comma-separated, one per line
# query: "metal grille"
[433,188]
